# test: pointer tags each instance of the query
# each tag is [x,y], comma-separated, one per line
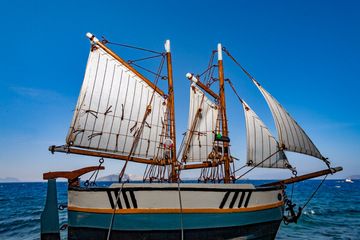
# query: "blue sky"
[306,53]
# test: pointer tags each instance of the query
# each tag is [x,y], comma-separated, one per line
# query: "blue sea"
[334,212]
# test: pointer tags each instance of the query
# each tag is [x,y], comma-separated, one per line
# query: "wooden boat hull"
[151,211]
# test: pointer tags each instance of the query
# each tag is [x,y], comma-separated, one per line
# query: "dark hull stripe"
[265,230]
[110,199]
[224,199]
[133,199]
[119,205]
[241,199]
[234,199]
[247,199]
[127,204]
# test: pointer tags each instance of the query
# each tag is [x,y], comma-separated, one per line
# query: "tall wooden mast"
[225,134]
[174,175]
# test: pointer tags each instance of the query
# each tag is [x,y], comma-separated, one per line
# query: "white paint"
[167,46]
[191,77]
[146,198]
[92,37]
[219,48]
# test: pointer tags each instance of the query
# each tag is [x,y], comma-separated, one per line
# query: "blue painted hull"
[262,224]
[162,221]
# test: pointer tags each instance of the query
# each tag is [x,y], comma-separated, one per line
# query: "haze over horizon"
[306,54]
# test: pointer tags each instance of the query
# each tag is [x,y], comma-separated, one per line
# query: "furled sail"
[291,136]
[202,125]
[111,109]
[262,148]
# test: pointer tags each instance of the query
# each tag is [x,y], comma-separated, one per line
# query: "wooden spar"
[304,177]
[192,78]
[72,176]
[199,165]
[171,107]
[87,152]
[123,62]
[191,132]
[223,116]
[66,149]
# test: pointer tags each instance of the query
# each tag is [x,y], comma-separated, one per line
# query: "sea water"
[333,213]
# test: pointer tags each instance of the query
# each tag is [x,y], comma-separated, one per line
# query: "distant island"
[115,178]
[9,179]
[354,177]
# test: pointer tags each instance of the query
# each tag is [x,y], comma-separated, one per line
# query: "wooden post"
[223,115]
[174,174]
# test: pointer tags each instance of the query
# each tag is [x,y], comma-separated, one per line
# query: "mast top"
[219,49]
[191,77]
[167,46]
[92,37]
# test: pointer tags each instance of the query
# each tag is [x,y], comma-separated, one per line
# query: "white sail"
[201,140]
[111,107]
[291,136]
[262,148]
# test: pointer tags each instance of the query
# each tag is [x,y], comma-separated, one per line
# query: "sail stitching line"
[107,104]
[115,111]
[97,67]
[100,97]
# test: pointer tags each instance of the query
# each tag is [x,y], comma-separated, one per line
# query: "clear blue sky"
[306,53]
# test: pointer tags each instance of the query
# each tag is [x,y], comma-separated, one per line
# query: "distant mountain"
[9,179]
[115,178]
[353,177]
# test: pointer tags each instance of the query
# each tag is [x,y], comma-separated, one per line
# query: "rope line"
[181,208]
[313,194]
[133,47]
[113,214]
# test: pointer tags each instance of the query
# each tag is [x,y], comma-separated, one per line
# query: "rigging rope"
[313,194]
[237,63]
[181,208]
[129,46]
[256,165]
[93,183]
[113,214]
[145,58]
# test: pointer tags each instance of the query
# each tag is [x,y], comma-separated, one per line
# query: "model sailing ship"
[120,114]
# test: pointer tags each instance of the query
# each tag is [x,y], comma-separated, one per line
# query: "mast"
[223,115]
[174,176]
